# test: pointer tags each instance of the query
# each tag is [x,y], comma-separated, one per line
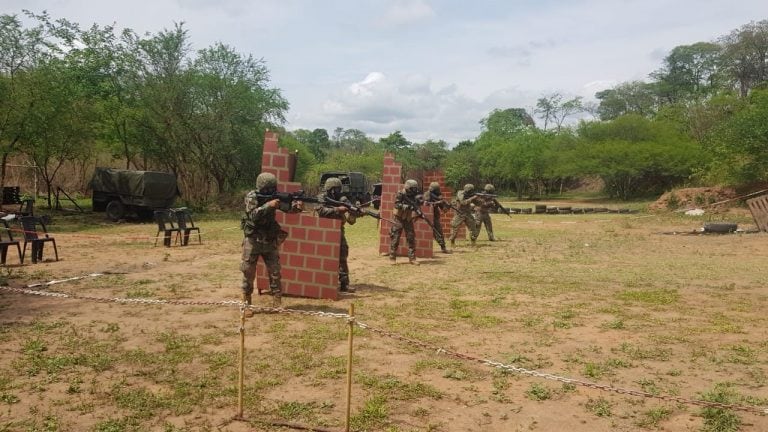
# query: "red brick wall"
[310,255]
[446,215]
[391,183]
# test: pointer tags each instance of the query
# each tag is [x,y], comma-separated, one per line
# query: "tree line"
[79,97]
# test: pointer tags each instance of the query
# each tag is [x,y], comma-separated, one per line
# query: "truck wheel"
[115,210]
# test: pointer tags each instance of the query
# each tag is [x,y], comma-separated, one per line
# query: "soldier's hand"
[298,205]
[341,209]
[275,203]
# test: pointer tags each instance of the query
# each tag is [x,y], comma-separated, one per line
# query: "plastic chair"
[166,226]
[186,225]
[6,240]
[27,207]
[32,236]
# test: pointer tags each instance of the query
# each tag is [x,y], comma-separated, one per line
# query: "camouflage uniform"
[262,236]
[483,208]
[404,218]
[465,201]
[328,210]
[433,198]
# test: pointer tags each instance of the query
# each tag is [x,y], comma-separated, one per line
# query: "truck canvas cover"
[155,189]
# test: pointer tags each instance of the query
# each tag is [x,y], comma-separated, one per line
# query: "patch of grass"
[639,353]
[719,419]
[600,407]
[393,388]
[538,392]
[372,416]
[652,417]
[650,296]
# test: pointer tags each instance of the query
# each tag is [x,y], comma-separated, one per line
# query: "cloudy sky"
[429,68]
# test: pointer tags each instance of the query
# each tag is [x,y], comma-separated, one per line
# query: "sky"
[431,69]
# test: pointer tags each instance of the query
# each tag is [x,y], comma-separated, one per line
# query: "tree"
[507,122]
[689,72]
[636,156]
[745,55]
[552,109]
[394,142]
[61,123]
[739,143]
[634,97]
[21,50]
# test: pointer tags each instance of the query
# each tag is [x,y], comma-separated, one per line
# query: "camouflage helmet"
[469,187]
[332,182]
[411,186]
[434,187]
[266,181]
[489,188]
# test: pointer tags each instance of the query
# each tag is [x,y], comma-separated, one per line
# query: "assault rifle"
[487,195]
[288,197]
[415,205]
[358,210]
[437,200]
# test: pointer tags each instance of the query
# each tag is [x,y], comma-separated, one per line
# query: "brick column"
[310,255]
[446,215]
[391,183]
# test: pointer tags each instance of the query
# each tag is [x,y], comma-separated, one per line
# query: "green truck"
[121,193]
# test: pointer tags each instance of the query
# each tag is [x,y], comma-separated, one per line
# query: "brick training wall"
[445,215]
[310,255]
[391,183]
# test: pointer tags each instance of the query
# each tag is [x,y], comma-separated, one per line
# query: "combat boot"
[412,261]
[277,300]
[444,250]
[392,260]
[247,298]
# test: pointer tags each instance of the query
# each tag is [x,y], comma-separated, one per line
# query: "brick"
[307,248]
[279,160]
[324,250]
[333,237]
[322,278]
[296,261]
[313,262]
[305,276]
[312,291]
[287,273]
[299,233]
[315,235]
[330,265]
[290,246]
[293,288]
[329,293]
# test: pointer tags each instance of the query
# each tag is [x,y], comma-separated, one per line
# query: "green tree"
[634,97]
[21,51]
[739,143]
[689,72]
[745,56]
[636,156]
[552,109]
[507,122]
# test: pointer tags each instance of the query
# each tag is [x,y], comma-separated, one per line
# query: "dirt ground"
[608,299]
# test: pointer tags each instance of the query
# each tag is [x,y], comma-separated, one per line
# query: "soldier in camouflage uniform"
[483,208]
[434,198]
[405,201]
[263,236]
[465,202]
[328,210]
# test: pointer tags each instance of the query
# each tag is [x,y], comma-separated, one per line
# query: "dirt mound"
[692,198]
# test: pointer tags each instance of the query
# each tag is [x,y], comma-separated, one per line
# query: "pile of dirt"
[689,198]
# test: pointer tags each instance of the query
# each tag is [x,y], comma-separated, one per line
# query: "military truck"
[353,185]
[121,193]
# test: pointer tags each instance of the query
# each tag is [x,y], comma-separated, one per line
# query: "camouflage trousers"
[484,218]
[410,237]
[438,231]
[252,250]
[343,266]
[467,219]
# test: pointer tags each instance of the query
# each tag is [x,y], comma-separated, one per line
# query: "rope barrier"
[420,344]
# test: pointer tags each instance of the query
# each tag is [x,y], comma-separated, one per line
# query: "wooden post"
[242,365]
[349,365]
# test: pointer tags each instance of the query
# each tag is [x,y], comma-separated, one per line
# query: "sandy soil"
[555,295]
